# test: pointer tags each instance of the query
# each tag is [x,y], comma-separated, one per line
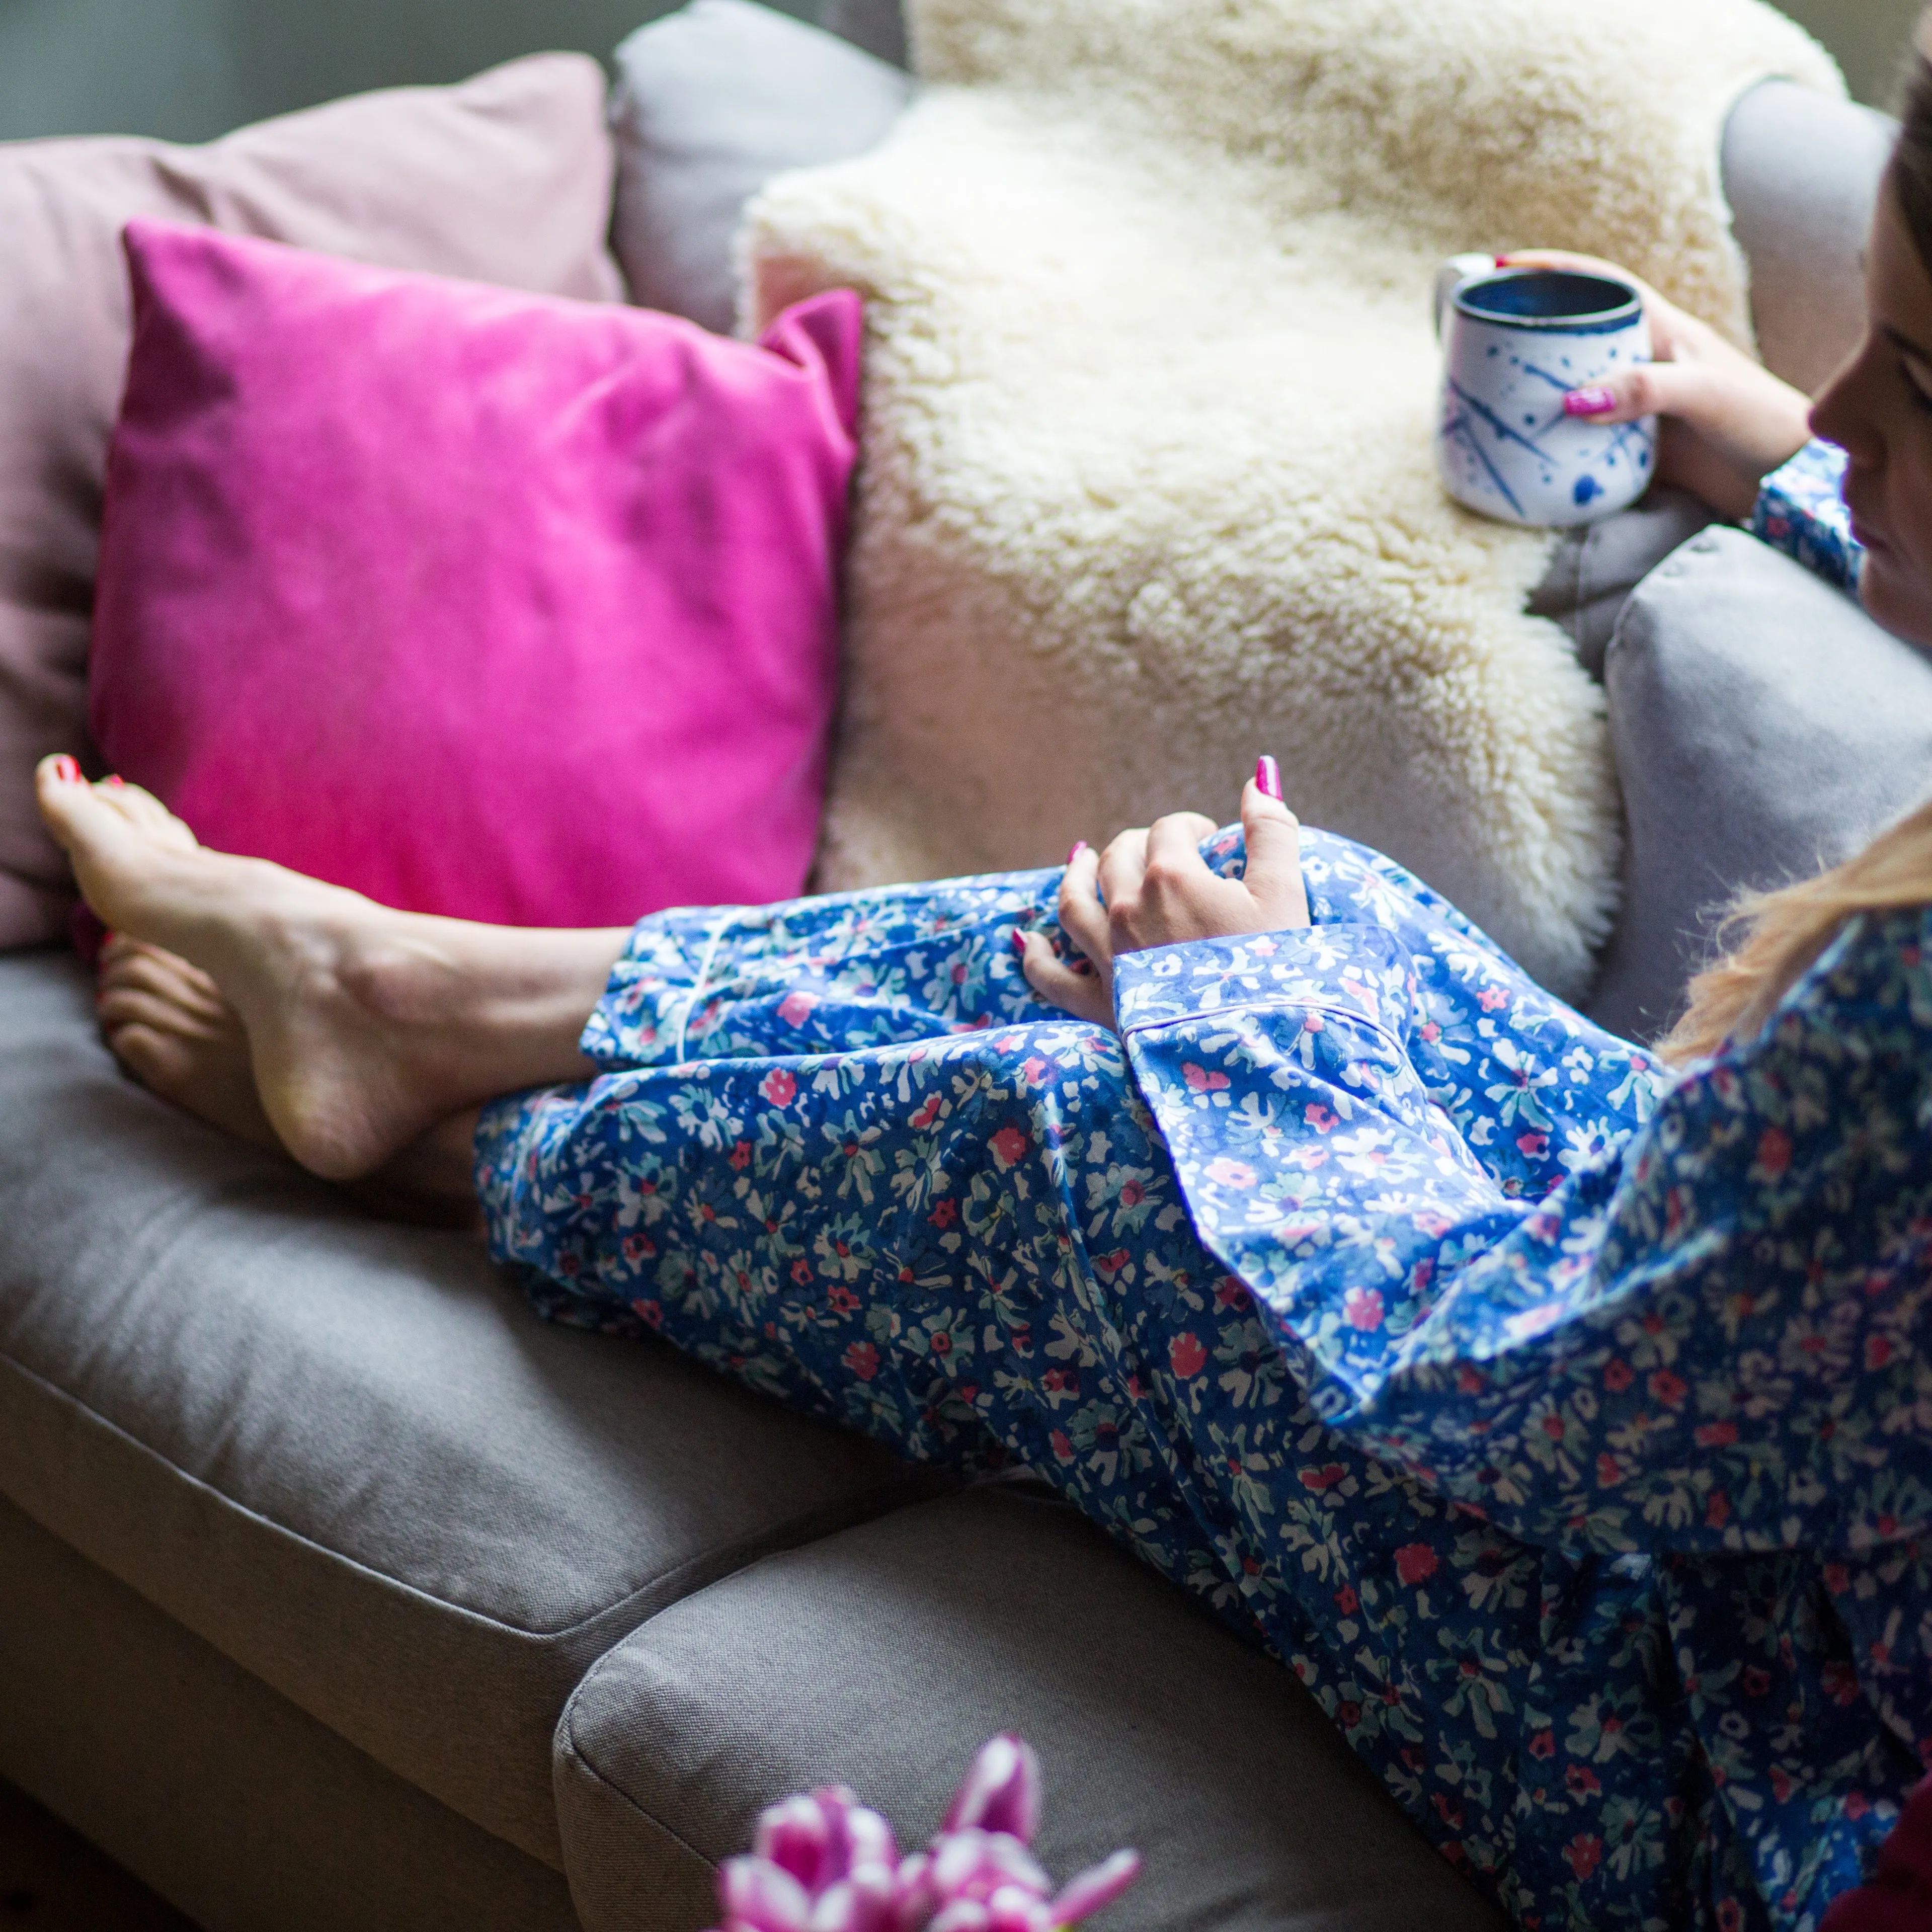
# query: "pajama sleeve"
[1713,1336]
[1801,510]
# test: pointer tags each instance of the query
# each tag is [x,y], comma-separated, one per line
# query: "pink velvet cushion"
[505,178]
[499,605]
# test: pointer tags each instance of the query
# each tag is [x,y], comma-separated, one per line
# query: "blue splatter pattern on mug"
[1517,343]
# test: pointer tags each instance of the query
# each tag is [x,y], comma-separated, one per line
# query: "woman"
[1565,1424]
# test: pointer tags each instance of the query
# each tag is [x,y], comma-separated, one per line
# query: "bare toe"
[132,965]
[126,848]
[141,807]
[169,1029]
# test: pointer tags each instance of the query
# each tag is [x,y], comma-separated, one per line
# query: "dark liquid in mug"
[1554,297]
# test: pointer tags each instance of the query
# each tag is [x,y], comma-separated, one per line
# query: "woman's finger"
[1173,843]
[1084,995]
[1082,917]
[1123,867]
[1684,389]
[1272,873]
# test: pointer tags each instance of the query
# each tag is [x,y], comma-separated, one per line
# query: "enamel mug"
[1515,343]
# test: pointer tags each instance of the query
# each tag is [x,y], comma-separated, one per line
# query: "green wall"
[189,69]
[1869,37]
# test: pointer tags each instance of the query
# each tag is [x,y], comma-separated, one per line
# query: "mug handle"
[1455,275]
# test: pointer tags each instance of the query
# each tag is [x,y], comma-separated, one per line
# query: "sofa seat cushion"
[884,1657]
[344,1452]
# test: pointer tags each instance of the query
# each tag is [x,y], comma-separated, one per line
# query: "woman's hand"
[1728,421]
[1159,892]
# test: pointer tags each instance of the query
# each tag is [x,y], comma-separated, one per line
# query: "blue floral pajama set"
[1565,1426]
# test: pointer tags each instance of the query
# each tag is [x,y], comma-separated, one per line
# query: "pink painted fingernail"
[1079,846]
[1267,776]
[1502,261]
[1019,940]
[66,771]
[115,782]
[1594,401]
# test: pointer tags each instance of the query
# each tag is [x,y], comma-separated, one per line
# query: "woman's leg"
[974,1248]
[367,1028]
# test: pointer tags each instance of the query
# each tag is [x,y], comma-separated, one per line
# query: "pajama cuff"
[1801,510]
[1360,971]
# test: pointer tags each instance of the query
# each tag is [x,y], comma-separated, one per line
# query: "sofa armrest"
[1802,173]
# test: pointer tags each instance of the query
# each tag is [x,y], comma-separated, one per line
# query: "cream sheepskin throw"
[1148,486]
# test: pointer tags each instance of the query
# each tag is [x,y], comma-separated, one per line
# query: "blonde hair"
[1780,933]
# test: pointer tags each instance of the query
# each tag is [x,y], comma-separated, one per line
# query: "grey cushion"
[710,103]
[345,1453]
[884,1657]
[1801,172]
[1595,567]
[1764,728]
[214,1790]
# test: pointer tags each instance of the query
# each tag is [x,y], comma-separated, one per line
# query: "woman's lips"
[1862,532]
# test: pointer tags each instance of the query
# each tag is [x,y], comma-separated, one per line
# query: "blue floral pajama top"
[1565,1426]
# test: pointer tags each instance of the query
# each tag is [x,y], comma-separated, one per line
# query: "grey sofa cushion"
[883,1657]
[710,103]
[1764,727]
[216,1791]
[1595,567]
[1801,172]
[345,1453]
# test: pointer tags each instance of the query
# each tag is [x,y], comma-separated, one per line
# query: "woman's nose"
[1844,411]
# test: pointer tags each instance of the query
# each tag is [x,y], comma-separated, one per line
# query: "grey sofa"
[337,1591]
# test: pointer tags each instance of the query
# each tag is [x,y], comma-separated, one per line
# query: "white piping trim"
[704,974]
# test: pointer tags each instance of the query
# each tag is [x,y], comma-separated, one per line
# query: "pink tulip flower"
[823,1862]
[825,1836]
[1000,1791]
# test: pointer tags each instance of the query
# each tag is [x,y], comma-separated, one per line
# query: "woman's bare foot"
[367,1028]
[167,1024]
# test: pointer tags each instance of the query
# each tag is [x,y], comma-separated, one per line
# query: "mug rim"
[1599,322]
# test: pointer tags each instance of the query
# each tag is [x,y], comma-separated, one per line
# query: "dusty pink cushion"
[483,603]
[505,178]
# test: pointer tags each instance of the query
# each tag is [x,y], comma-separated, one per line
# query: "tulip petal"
[915,1895]
[992,1765]
[797,1836]
[1014,1908]
[1098,1885]
[974,1862]
[863,1903]
[1000,1791]
[832,1910]
[1013,1807]
[964,1915]
[870,1838]
[766,1897]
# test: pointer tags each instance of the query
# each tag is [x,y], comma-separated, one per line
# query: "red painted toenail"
[114,782]
[66,770]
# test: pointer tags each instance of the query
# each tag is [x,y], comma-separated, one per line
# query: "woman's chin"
[1898,599]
